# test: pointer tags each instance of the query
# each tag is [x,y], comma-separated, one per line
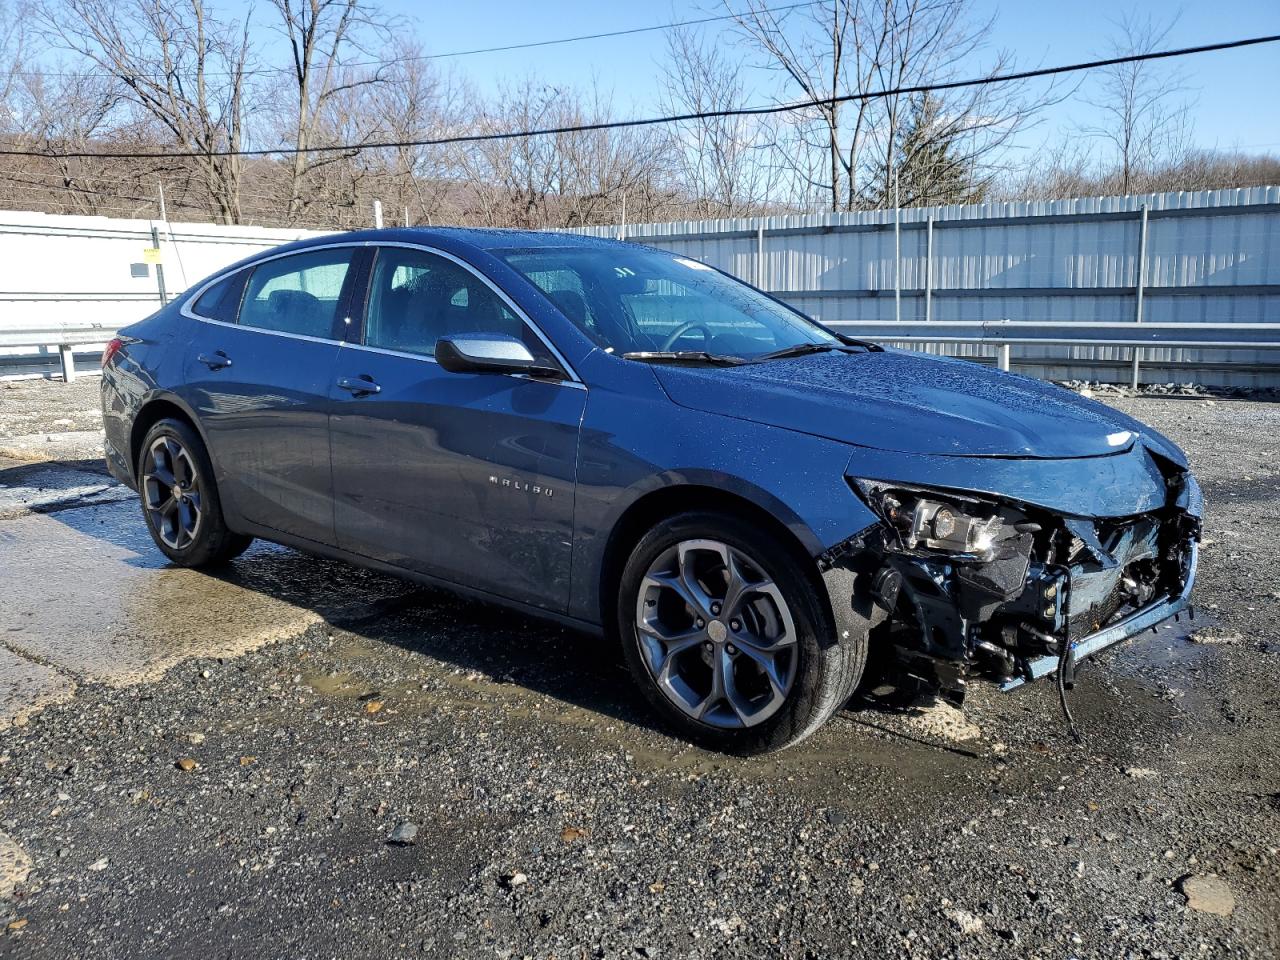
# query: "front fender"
[633,444]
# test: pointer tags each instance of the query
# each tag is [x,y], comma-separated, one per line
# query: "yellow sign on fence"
[151,255]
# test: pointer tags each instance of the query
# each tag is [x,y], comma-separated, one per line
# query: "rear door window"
[300,294]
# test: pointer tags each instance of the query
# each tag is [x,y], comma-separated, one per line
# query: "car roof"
[463,242]
[460,239]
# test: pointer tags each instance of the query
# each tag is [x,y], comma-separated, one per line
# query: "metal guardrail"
[63,336]
[1001,334]
[1005,334]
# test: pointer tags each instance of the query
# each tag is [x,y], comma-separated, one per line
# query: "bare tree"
[417,102]
[70,112]
[178,65]
[959,135]
[817,52]
[562,179]
[854,48]
[719,161]
[512,182]
[323,36]
[1070,171]
[1143,112]
[1058,168]
[602,169]
[12,57]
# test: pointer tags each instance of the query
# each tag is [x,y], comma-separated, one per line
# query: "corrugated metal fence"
[1210,256]
[1176,258]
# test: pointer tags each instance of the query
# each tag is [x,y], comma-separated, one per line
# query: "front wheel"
[180,499]
[732,644]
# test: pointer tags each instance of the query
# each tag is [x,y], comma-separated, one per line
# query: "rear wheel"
[730,641]
[180,499]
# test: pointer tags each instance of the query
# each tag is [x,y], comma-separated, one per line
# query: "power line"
[631,31]
[673,118]
[6,178]
[53,189]
[135,181]
[600,36]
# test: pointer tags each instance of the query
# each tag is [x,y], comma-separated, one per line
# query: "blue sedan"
[639,445]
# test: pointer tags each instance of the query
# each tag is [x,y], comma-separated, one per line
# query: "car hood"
[906,402]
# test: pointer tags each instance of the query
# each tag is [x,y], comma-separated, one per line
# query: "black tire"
[206,542]
[827,664]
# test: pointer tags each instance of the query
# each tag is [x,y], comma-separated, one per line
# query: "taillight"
[112,349]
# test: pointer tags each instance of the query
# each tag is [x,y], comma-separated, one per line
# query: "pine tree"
[930,162]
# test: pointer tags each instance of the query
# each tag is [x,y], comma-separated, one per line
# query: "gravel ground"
[246,807]
[50,420]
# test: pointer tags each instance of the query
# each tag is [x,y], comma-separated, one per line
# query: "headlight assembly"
[927,520]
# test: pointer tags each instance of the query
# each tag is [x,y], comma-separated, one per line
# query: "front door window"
[417,297]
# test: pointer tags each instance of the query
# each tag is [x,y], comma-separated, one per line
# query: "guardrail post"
[1003,355]
[928,269]
[760,254]
[897,252]
[1138,288]
[68,362]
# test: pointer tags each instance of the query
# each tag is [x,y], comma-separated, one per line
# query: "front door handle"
[359,386]
[215,361]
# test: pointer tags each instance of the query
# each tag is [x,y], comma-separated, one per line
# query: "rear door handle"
[359,385]
[215,361]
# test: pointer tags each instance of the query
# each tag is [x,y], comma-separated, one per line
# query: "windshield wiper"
[800,349]
[683,356]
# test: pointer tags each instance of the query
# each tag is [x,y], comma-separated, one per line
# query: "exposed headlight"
[955,525]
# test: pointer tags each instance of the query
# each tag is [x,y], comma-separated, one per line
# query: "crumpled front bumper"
[1030,615]
[1112,634]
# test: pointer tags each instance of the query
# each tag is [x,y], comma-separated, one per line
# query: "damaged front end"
[975,585]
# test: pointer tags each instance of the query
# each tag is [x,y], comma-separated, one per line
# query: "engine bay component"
[975,586]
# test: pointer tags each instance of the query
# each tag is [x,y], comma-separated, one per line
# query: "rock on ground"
[1208,894]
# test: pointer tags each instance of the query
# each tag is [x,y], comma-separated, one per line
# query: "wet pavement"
[109,609]
[89,598]
[194,764]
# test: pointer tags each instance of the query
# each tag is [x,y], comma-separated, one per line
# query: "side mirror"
[489,353]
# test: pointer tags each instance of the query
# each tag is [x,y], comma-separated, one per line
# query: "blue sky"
[1237,93]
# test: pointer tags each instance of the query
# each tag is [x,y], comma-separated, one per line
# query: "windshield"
[634,301]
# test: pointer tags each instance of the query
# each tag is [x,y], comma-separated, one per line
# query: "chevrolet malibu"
[639,445]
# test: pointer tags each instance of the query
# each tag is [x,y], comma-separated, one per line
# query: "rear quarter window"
[222,300]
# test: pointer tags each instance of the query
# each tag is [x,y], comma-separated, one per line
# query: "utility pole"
[164,216]
[377,214]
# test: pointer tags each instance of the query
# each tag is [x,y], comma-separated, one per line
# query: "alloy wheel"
[171,492]
[716,634]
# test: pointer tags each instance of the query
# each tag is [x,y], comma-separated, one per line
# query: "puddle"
[1168,662]
[26,686]
[336,684]
[50,489]
[87,592]
[823,767]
